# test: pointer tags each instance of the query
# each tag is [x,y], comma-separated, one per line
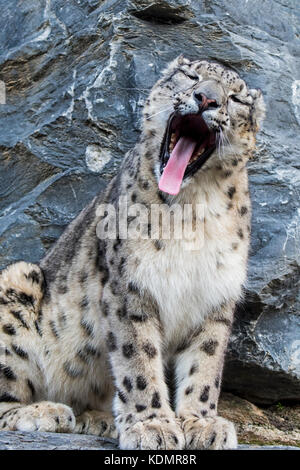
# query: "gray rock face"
[76,75]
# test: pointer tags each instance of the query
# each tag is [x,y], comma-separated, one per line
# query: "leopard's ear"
[178,62]
[259,107]
[181,60]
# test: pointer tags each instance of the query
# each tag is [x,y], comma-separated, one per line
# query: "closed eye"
[192,77]
[236,99]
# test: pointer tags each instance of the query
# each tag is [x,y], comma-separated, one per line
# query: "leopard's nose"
[204,102]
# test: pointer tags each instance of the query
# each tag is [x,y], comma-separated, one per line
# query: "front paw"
[46,417]
[213,433]
[153,434]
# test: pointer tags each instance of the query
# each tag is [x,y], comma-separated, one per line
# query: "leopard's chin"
[193,128]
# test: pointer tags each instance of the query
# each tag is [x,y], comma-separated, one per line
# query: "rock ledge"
[52,441]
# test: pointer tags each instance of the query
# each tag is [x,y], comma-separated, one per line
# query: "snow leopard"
[125,336]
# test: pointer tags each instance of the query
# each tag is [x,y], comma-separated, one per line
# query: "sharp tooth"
[172,142]
[197,155]
[200,152]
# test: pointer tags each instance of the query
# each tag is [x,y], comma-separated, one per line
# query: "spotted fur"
[97,323]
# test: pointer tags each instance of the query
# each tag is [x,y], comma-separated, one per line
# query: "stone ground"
[52,441]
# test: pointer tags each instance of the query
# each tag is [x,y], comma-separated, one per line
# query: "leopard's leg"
[143,416]
[199,370]
[97,423]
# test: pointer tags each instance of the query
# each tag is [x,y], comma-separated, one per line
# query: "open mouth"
[187,145]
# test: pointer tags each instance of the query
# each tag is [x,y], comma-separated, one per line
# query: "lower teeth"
[172,142]
[198,154]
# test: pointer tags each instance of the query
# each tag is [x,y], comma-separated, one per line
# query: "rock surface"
[76,75]
[276,425]
[51,441]
[13,440]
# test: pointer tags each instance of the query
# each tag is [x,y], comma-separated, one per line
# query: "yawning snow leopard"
[89,337]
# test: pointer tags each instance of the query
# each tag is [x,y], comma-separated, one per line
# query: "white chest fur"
[188,285]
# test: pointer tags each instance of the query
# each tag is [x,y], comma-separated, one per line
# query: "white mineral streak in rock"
[2,92]
[296,98]
[108,70]
[96,157]
[43,36]
[71,91]
[293,233]
[50,16]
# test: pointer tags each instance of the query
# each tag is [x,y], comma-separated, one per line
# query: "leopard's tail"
[22,283]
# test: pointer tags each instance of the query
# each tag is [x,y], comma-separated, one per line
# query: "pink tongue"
[171,179]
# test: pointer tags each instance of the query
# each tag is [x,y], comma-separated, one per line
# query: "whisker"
[159,112]
[188,88]
[220,143]
[170,107]
[140,90]
[227,142]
